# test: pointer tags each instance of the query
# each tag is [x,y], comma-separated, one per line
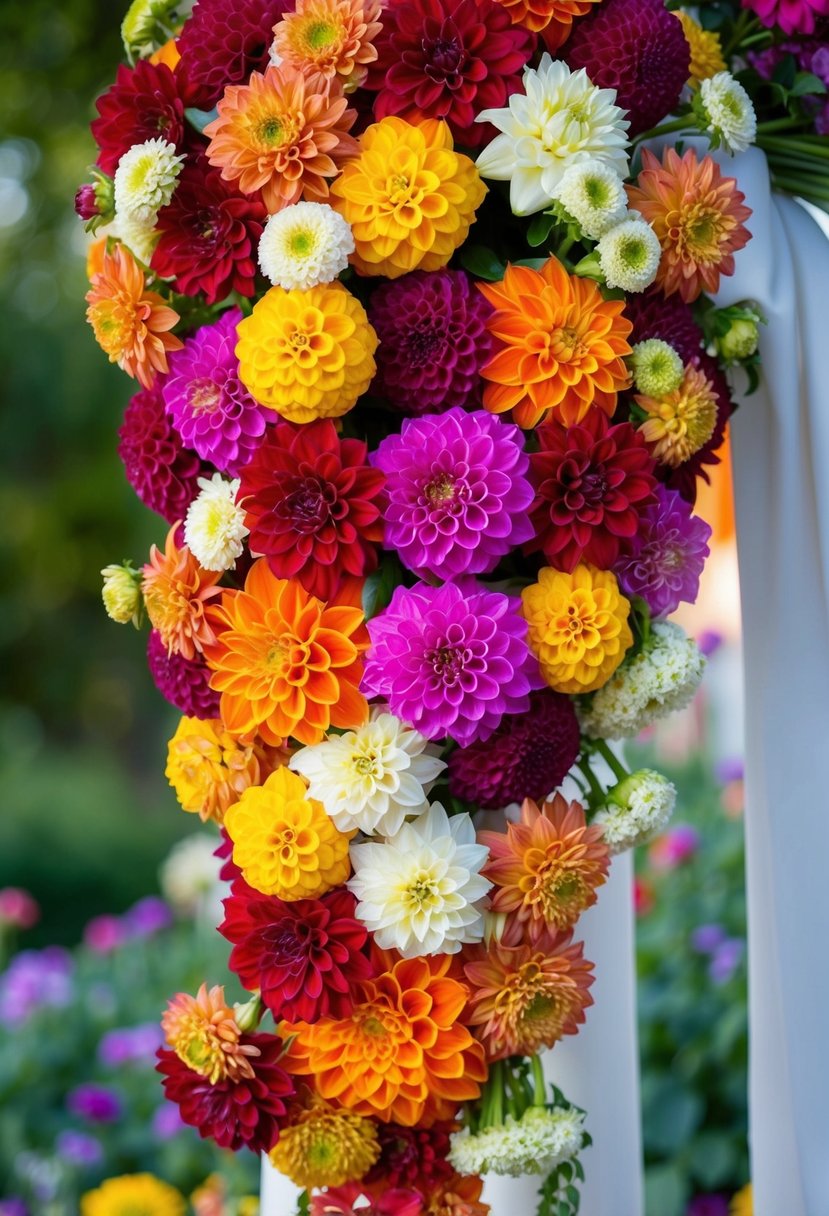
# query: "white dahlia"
[594,194]
[636,809]
[304,245]
[629,255]
[729,112]
[145,180]
[214,527]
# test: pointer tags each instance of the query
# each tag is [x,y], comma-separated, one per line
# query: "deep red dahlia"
[637,48]
[144,103]
[410,1157]
[311,503]
[223,41]
[229,871]
[591,482]
[304,956]
[209,236]
[236,1114]
[163,473]
[448,59]
[183,682]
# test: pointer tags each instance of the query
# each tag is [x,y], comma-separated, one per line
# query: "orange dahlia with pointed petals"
[131,324]
[560,347]
[177,592]
[203,1032]
[332,37]
[402,1056]
[552,19]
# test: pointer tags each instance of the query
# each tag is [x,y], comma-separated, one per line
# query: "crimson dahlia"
[143,103]
[185,683]
[163,473]
[223,41]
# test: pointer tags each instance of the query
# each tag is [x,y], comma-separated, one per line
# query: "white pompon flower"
[594,194]
[561,119]
[304,245]
[145,180]
[372,778]
[729,111]
[636,809]
[214,527]
[421,891]
[534,1144]
[629,255]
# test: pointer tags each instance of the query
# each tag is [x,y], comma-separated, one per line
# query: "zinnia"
[177,592]
[332,37]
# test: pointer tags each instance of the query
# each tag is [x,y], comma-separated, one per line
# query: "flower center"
[366,765]
[204,396]
[566,344]
[445,56]
[422,893]
[424,344]
[271,131]
[309,505]
[320,34]
[302,243]
[447,662]
[440,489]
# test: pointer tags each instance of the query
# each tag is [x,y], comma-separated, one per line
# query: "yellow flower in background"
[706,50]
[209,768]
[326,1147]
[133,1195]
[681,422]
[743,1202]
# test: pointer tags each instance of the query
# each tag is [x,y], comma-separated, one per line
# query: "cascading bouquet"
[428,449]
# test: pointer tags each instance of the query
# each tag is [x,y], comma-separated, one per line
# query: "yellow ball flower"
[678,424]
[706,50]
[133,1195]
[210,769]
[578,627]
[307,354]
[283,841]
[326,1147]
[408,197]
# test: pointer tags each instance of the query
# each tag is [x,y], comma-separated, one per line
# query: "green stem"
[665,128]
[803,145]
[539,1083]
[596,791]
[496,1080]
[801,185]
[613,761]
[565,247]
[778,124]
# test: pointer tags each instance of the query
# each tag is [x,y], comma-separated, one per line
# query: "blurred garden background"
[88,818]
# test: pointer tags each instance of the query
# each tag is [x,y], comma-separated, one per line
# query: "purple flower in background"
[730,769]
[78,1148]
[708,1205]
[726,959]
[148,917]
[97,1103]
[666,555]
[167,1122]
[674,847]
[103,934]
[13,1206]
[709,642]
[130,1045]
[34,979]
[706,938]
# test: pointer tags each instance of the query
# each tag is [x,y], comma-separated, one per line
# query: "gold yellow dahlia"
[326,1147]
[678,424]
[706,50]
[209,768]
[133,1195]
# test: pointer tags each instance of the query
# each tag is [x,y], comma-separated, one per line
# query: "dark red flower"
[223,41]
[163,473]
[410,1157]
[229,871]
[183,682]
[311,504]
[144,103]
[304,956]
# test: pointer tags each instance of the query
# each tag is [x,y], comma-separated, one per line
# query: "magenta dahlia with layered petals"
[451,660]
[185,683]
[457,492]
[667,555]
[162,471]
[143,103]
[433,341]
[223,41]
[793,16]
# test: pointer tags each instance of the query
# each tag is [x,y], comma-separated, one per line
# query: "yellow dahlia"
[210,769]
[284,843]
[332,37]
[742,1204]
[325,1146]
[133,1195]
[307,354]
[409,198]
[176,593]
[706,50]
[577,626]
[203,1032]
[681,422]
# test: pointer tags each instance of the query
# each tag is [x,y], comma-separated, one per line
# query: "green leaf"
[666,1191]
[713,1160]
[200,118]
[540,228]
[482,262]
[379,587]
[806,83]
[671,1114]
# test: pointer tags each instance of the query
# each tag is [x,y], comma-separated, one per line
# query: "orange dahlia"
[282,134]
[402,1056]
[698,216]
[332,37]
[210,769]
[680,423]
[176,594]
[203,1032]
[131,325]
[560,347]
[552,19]
[547,867]
[286,663]
[457,1196]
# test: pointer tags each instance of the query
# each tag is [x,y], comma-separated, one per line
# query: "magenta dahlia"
[433,341]
[161,470]
[667,555]
[793,16]
[457,492]
[143,103]
[223,41]
[185,683]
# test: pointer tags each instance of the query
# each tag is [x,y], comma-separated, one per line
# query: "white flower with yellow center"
[305,245]
[594,194]
[214,528]
[729,111]
[421,892]
[561,119]
[145,180]
[629,255]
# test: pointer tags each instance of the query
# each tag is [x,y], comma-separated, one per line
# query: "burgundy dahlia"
[312,505]
[668,553]
[433,341]
[163,473]
[182,682]
[636,47]
[223,41]
[529,755]
[591,483]
[304,957]
[143,103]
[411,1157]
[448,59]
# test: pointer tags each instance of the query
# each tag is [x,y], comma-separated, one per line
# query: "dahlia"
[657,367]
[310,501]
[223,41]
[637,48]
[527,997]
[697,214]
[578,626]
[121,594]
[145,180]
[143,103]
[352,1200]
[457,1196]
[451,660]
[207,403]
[448,59]
[629,255]
[535,1143]
[185,683]
[214,527]
[680,423]
[282,135]
[283,842]
[433,341]
[203,1032]
[324,1146]
[594,195]
[176,595]
[307,354]
[412,1157]
[142,1193]
[371,778]
[552,19]
[665,559]
[636,809]
[592,482]
[303,957]
[409,198]
[456,493]
[332,37]
[728,112]
[210,769]
[305,245]
[529,755]
[706,50]
[560,119]
[138,238]
[284,662]
[793,16]
[402,1055]
[559,346]
[131,324]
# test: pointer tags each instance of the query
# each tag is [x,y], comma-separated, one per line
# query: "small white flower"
[629,255]
[141,239]
[636,809]
[372,778]
[657,367]
[303,245]
[421,891]
[190,874]
[534,1144]
[729,111]
[594,194]
[145,180]
[214,527]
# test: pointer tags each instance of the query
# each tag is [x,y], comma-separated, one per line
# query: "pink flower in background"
[676,846]
[103,934]
[18,908]
[643,897]
[793,16]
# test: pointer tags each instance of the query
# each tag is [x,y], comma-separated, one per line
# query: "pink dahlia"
[143,103]
[451,660]
[182,682]
[666,557]
[208,404]
[638,48]
[793,16]
[433,341]
[457,492]
[161,470]
[223,41]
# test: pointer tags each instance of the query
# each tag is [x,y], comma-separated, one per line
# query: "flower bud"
[739,342]
[635,809]
[121,594]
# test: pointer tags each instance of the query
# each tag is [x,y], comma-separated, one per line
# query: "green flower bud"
[739,342]
[657,368]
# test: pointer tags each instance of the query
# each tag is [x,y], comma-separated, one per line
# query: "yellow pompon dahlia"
[284,843]
[133,1195]
[176,593]
[210,769]
[325,1146]
[577,627]
[743,1202]
[409,197]
[706,50]
[203,1032]
[307,354]
[332,37]
[681,422]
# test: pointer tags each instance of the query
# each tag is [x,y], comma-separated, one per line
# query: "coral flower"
[560,346]
[547,867]
[210,769]
[403,1055]
[281,134]
[682,422]
[698,216]
[332,37]
[325,1146]
[131,325]
[203,1032]
[286,663]
[176,593]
